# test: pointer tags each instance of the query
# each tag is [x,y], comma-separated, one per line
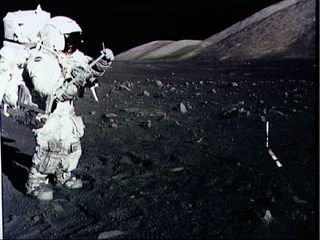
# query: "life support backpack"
[24,26]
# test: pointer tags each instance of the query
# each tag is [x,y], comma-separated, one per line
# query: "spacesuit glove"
[76,71]
[40,120]
[108,55]
[69,93]
[81,73]
[42,117]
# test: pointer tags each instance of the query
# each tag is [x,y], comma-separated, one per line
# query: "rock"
[35,218]
[121,86]
[173,89]
[213,91]
[110,115]
[277,112]
[234,84]
[146,93]
[110,234]
[296,199]
[241,110]
[177,169]
[230,112]
[129,84]
[189,105]
[264,111]
[149,123]
[114,125]
[159,83]
[268,217]
[146,124]
[183,108]
[93,113]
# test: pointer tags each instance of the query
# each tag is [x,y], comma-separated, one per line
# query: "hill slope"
[285,29]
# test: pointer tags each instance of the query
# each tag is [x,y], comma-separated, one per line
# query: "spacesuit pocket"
[47,161]
[54,146]
[71,161]
[78,128]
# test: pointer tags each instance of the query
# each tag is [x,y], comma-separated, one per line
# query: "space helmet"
[62,34]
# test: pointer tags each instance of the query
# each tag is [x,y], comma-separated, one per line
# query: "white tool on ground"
[1,202]
[271,153]
[267,130]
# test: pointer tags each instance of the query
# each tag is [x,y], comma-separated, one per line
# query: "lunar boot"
[68,180]
[38,185]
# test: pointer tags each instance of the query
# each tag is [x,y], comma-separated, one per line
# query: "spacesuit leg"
[5,110]
[44,162]
[63,174]
[37,185]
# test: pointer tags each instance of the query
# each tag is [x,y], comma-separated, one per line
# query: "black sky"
[123,24]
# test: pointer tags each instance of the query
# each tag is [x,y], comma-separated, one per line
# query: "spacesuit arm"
[67,92]
[103,64]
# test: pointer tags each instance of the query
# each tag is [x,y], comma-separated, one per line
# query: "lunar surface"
[178,148]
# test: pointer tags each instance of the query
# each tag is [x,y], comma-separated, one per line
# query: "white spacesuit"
[57,71]
[50,69]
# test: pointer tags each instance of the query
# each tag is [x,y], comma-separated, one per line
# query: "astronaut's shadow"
[15,164]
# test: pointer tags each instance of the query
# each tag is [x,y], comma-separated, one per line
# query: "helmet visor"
[72,41]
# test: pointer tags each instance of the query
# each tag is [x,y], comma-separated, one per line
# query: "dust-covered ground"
[155,168]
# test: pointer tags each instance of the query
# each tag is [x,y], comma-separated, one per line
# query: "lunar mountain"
[284,30]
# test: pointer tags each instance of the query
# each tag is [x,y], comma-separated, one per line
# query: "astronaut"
[51,68]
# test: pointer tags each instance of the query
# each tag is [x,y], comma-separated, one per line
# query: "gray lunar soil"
[179,151]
